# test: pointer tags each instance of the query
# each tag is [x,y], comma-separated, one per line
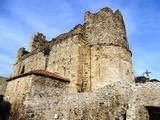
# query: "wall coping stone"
[41,73]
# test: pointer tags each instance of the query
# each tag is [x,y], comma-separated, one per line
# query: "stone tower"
[37,41]
[90,55]
[33,59]
[110,57]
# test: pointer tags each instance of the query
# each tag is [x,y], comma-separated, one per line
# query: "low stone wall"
[33,62]
[17,91]
[45,94]
[3,84]
[107,103]
[117,101]
[43,98]
[33,97]
[143,95]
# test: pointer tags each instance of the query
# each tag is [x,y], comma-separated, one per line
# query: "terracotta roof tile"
[50,74]
[41,72]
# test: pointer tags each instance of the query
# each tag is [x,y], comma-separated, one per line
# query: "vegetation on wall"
[143,79]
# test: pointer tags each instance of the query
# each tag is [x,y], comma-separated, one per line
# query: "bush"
[141,79]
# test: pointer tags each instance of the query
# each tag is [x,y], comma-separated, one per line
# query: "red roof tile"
[41,72]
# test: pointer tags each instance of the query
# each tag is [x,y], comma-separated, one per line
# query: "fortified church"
[85,74]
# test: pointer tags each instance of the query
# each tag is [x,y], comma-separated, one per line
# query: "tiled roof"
[42,73]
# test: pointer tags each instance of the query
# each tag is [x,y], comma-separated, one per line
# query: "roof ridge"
[41,72]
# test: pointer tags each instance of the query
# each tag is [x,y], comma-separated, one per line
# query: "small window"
[99,69]
[22,70]
[64,71]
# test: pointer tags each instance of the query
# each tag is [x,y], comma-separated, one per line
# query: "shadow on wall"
[154,112]
[4,109]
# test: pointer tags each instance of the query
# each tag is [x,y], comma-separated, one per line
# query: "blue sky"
[20,19]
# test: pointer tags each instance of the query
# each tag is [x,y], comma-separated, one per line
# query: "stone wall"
[116,101]
[33,62]
[45,94]
[37,41]
[16,94]
[143,95]
[104,57]
[66,58]
[4,106]
[33,97]
[105,27]
[102,104]
[110,64]
[3,84]
[48,99]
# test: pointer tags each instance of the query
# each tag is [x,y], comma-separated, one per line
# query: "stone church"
[85,74]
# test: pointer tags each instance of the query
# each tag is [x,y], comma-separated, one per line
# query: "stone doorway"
[154,113]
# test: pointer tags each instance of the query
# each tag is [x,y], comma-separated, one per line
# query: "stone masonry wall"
[143,95]
[116,101]
[107,103]
[110,64]
[34,62]
[37,41]
[49,99]
[109,57]
[44,96]
[60,58]
[105,27]
[33,97]
[3,84]
[66,58]
[16,94]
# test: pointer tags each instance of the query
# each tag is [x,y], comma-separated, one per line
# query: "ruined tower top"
[105,27]
[37,41]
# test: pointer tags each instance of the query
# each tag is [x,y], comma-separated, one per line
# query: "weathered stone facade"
[117,101]
[90,75]
[33,96]
[3,84]
[90,55]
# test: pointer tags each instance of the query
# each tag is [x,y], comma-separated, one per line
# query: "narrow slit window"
[64,71]
[22,70]
[99,69]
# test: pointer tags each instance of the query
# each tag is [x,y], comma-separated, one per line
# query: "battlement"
[103,12]
[108,26]
[37,41]
[21,52]
[77,30]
